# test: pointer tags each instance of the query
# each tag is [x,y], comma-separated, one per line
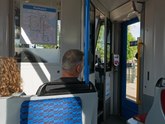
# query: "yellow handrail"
[140,44]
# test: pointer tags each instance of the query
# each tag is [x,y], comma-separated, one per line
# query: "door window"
[133,32]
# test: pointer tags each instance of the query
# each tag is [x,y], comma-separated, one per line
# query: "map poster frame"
[38,24]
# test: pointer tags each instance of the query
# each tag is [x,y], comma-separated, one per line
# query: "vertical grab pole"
[86,42]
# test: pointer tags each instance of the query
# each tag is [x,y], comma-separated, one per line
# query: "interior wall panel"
[154,45]
[4,26]
[71,20]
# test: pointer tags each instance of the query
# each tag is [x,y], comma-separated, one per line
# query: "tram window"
[103,42]
[100,44]
[108,57]
[108,47]
[37,52]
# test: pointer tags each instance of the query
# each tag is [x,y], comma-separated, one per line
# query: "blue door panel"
[128,108]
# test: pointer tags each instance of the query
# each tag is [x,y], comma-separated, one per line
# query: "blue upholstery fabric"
[52,111]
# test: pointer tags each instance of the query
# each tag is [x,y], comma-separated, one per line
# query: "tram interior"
[100,45]
[126,49]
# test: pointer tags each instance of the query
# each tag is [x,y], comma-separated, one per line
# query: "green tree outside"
[100,43]
[131,50]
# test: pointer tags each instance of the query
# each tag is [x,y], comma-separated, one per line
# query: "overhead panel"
[112,4]
[127,11]
[122,11]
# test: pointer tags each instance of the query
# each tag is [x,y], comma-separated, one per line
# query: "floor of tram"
[114,120]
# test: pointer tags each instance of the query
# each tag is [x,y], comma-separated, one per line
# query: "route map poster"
[38,24]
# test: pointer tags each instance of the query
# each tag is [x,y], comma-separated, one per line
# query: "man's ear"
[79,68]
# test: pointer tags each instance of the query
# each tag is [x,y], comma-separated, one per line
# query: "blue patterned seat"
[52,111]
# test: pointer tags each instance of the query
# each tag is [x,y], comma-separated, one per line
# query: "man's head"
[72,63]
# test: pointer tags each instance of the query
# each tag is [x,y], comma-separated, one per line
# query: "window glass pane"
[108,47]
[100,44]
[133,32]
[37,52]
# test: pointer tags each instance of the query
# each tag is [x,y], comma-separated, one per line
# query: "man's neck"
[69,75]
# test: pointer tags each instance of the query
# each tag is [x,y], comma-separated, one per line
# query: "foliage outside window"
[131,51]
[100,43]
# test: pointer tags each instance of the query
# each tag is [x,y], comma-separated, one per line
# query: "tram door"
[102,64]
[130,86]
[99,62]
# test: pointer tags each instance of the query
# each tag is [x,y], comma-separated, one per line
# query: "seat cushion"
[163,100]
[141,117]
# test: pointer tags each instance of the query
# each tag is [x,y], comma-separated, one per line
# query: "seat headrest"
[160,82]
[58,88]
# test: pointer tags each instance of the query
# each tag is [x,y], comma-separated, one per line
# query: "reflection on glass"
[133,32]
[108,51]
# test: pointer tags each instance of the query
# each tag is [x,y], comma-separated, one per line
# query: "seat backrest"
[52,111]
[12,112]
[157,112]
